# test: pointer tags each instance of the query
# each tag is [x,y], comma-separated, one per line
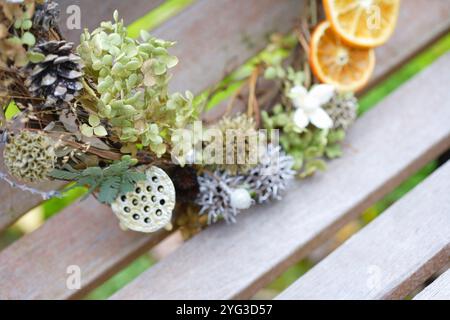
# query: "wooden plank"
[87,235]
[391,256]
[413,33]
[92,13]
[438,290]
[215,37]
[385,146]
[200,49]
[104,261]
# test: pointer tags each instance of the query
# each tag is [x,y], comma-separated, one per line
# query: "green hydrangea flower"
[132,79]
[309,147]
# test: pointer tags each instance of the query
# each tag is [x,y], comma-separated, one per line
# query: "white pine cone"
[58,77]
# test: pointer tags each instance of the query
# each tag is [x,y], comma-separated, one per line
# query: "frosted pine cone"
[46,15]
[58,77]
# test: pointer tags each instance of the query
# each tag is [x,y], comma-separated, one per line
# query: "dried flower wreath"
[100,116]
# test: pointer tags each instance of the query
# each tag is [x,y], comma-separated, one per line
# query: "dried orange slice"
[334,62]
[363,23]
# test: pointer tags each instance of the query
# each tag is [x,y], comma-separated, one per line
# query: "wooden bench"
[388,259]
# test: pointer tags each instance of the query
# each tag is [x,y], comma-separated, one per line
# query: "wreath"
[100,115]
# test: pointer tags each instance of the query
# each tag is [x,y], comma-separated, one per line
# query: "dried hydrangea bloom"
[29,156]
[149,206]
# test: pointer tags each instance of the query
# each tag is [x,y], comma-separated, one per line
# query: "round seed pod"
[149,206]
[29,156]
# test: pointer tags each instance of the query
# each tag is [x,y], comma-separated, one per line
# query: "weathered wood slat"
[438,290]
[87,235]
[215,37]
[414,31]
[197,44]
[92,12]
[391,256]
[385,146]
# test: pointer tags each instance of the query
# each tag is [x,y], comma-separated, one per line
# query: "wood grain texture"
[385,146]
[215,37]
[439,289]
[93,12]
[85,235]
[205,57]
[391,256]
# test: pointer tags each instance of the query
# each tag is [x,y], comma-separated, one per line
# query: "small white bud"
[240,199]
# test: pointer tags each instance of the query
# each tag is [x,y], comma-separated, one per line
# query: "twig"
[111,155]
[44,195]
[232,100]
[252,106]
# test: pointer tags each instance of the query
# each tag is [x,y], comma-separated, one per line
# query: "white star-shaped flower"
[309,105]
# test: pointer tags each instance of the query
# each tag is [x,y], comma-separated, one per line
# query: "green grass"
[405,73]
[122,278]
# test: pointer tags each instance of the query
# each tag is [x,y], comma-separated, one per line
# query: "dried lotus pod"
[149,206]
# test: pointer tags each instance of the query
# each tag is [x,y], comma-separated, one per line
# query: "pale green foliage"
[93,128]
[112,181]
[132,80]
[309,147]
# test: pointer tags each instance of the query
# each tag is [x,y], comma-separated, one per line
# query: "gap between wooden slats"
[439,289]
[193,31]
[390,257]
[389,143]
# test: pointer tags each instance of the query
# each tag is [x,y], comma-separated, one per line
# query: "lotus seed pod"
[149,206]
[29,156]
